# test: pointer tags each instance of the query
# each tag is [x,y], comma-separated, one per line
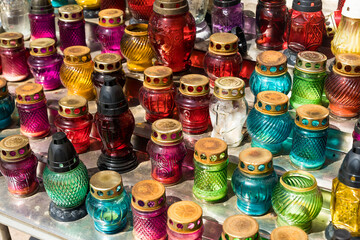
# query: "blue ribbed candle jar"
[7,104]
[310,136]
[270,73]
[254,180]
[108,203]
[269,123]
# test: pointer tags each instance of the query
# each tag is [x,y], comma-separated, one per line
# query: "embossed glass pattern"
[197,235]
[150,225]
[141,10]
[346,39]
[259,83]
[42,26]
[72,34]
[14,63]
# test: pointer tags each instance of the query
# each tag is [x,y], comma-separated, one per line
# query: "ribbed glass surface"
[210,182]
[68,189]
[109,215]
[260,83]
[307,88]
[150,225]
[347,37]
[308,148]
[7,106]
[14,64]
[253,192]
[295,201]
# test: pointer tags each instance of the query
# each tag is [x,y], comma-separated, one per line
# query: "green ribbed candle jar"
[211,161]
[297,200]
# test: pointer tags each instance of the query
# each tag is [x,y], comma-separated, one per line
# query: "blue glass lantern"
[6,105]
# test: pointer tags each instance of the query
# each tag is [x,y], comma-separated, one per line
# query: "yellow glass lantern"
[76,72]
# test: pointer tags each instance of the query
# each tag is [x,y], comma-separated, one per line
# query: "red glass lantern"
[117,4]
[306,25]
[157,94]
[172,33]
[192,101]
[141,10]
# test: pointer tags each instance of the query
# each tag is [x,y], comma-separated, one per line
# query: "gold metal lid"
[148,195]
[111,17]
[288,233]
[313,117]
[184,217]
[271,63]
[137,30]
[223,44]
[311,62]
[272,103]
[194,85]
[293,175]
[107,62]
[166,131]
[11,40]
[210,151]
[229,88]
[3,88]
[106,185]
[29,93]
[14,148]
[256,161]
[240,227]
[158,77]
[170,7]
[71,13]
[73,106]
[77,55]
[42,47]
[347,64]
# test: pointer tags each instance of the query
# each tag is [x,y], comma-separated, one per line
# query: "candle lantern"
[226,15]
[198,9]
[45,63]
[7,104]
[240,227]
[140,10]
[18,165]
[115,124]
[42,20]
[287,233]
[108,203]
[66,180]
[31,105]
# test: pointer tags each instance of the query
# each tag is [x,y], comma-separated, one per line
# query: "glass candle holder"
[7,105]
[110,30]
[172,33]
[44,63]
[222,58]
[271,23]
[226,15]
[157,94]
[31,105]
[342,86]
[309,79]
[270,74]
[107,64]
[13,56]
[167,151]
[192,101]
[286,232]
[210,178]
[91,7]
[240,227]
[71,26]
[66,180]
[59,3]
[149,208]
[345,39]
[269,123]
[306,25]
[115,124]
[18,166]
[108,203]
[310,137]
[332,22]
[117,4]
[140,10]
[345,194]
[42,20]
[254,180]
[297,200]
[184,221]
[75,121]
[76,71]
[198,9]
[228,110]
[136,48]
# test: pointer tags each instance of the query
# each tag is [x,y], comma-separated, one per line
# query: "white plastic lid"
[351,9]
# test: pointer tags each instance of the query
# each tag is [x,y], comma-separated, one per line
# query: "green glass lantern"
[66,180]
[297,200]
[211,161]
[309,79]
